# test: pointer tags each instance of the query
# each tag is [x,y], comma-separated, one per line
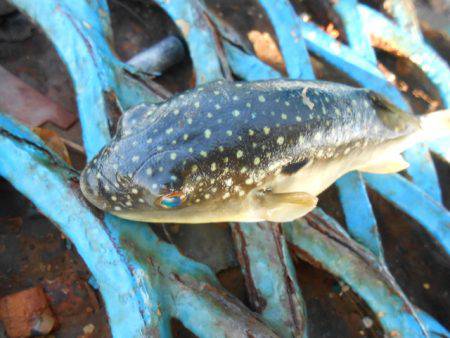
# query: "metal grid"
[144,281]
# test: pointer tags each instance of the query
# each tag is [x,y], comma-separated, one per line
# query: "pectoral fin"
[285,207]
[386,166]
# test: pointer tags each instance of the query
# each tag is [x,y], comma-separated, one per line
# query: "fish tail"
[436,124]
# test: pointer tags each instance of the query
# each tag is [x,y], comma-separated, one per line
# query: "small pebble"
[89,329]
[367,322]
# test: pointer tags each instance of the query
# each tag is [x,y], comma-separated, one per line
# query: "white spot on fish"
[207,133]
[113,198]
[149,171]
[235,113]
[239,154]
[261,98]
[243,170]
[149,140]
[283,116]
[280,140]
[191,150]
[207,196]
[306,99]
[337,111]
[185,137]
[213,166]
[117,208]
[169,131]
[248,105]
[229,182]
[298,118]
[235,98]
[197,104]
[287,103]
[217,106]
[226,195]
[318,136]
[189,120]
[173,156]
[257,161]
[266,130]
[176,111]
[209,115]
[251,132]
[249,181]
[134,191]
[203,153]
[229,132]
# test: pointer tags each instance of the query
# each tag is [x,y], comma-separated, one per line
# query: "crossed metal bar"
[144,282]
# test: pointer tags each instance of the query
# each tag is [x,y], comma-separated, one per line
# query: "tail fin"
[436,124]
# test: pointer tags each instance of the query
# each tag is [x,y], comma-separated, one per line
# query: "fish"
[248,151]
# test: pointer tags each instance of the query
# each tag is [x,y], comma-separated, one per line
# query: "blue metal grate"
[145,282]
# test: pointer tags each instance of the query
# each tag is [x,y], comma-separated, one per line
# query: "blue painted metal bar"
[76,24]
[32,171]
[271,282]
[247,66]
[287,26]
[359,215]
[411,200]
[404,13]
[324,242]
[436,69]
[192,22]
[356,36]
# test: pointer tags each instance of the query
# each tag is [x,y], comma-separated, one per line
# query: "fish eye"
[172,200]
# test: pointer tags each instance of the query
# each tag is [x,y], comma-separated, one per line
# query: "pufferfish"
[248,151]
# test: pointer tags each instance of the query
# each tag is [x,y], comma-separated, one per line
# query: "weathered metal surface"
[197,31]
[322,242]
[287,26]
[159,57]
[270,277]
[153,279]
[98,77]
[430,214]
[16,97]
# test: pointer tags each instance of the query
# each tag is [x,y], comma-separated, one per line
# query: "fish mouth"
[90,188]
